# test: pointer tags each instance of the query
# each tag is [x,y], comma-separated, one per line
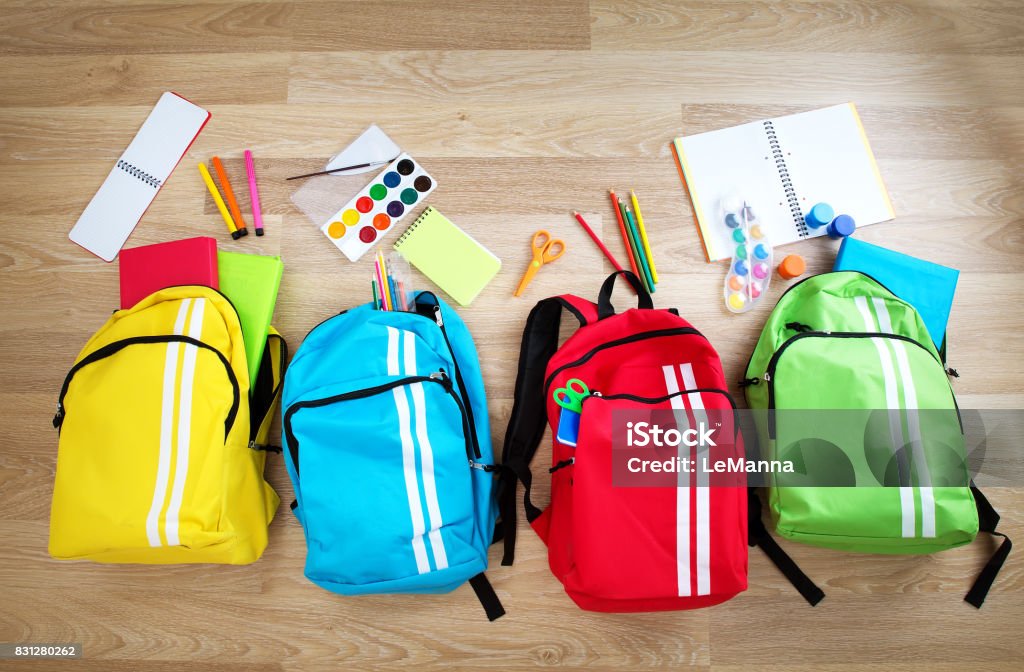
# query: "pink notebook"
[144,270]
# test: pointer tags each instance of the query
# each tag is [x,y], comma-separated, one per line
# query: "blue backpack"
[388,446]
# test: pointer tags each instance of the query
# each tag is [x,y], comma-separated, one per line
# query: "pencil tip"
[574,213]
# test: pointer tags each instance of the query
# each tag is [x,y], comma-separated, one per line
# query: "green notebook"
[448,255]
[251,282]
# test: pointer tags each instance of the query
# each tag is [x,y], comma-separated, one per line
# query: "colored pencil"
[648,279]
[384,282]
[622,230]
[380,284]
[403,304]
[633,246]
[254,193]
[643,235]
[223,209]
[229,196]
[376,300]
[593,236]
[396,300]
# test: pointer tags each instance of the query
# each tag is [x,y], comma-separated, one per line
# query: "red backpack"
[618,548]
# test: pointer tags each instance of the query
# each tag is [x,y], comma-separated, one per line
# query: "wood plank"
[224,28]
[59,82]
[847,26]
[600,80]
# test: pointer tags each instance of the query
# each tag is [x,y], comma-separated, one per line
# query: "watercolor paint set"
[378,207]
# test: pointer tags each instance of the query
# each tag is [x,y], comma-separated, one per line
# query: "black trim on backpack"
[529,416]
[988,519]
[758,535]
[264,391]
[488,598]
[604,298]
[112,348]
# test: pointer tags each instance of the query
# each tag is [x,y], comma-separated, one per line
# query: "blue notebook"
[927,286]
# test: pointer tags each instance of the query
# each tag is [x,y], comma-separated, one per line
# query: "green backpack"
[841,367]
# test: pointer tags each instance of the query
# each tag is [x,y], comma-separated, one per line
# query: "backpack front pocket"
[388,466]
[143,425]
[653,542]
[875,411]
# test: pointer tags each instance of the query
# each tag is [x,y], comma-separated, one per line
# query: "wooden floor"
[523,110]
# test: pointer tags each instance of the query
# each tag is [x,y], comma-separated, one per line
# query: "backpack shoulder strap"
[266,390]
[758,535]
[988,519]
[526,423]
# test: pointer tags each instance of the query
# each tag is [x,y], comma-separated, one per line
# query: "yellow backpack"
[162,444]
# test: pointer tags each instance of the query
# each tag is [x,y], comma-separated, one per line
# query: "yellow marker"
[390,301]
[218,200]
[643,236]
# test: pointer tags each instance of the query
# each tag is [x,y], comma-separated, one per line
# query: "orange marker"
[229,196]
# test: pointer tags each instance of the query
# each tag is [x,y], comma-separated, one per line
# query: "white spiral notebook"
[782,167]
[137,176]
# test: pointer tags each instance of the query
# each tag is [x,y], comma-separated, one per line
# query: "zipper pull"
[473,464]
[437,316]
[952,372]
[58,419]
[767,377]
[441,376]
[747,382]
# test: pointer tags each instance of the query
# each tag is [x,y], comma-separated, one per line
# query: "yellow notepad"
[448,255]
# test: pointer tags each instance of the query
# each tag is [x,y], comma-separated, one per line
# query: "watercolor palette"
[750,268]
[375,210]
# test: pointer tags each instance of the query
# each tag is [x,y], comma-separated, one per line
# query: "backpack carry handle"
[604,298]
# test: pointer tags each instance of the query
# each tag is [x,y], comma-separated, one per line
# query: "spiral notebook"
[782,167]
[449,256]
[137,176]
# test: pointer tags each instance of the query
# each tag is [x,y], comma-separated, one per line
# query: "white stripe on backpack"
[913,421]
[682,490]
[892,403]
[703,493]
[412,489]
[426,455]
[188,374]
[163,468]
[702,522]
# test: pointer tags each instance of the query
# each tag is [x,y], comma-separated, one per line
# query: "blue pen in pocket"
[570,398]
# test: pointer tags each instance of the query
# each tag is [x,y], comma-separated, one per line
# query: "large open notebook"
[782,167]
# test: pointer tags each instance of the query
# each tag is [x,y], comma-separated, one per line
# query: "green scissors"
[571,396]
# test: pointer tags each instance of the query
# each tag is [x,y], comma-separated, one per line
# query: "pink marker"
[254,193]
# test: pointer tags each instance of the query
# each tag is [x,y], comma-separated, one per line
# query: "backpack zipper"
[458,379]
[437,377]
[797,284]
[662,399]
[677,331]
[439,321]
[113,348]
[769,374]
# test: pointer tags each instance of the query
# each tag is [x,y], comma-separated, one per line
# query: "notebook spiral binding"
[138,173]
[787,181]
[412,227]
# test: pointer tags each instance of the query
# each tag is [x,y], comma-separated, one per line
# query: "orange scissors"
[545,250]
